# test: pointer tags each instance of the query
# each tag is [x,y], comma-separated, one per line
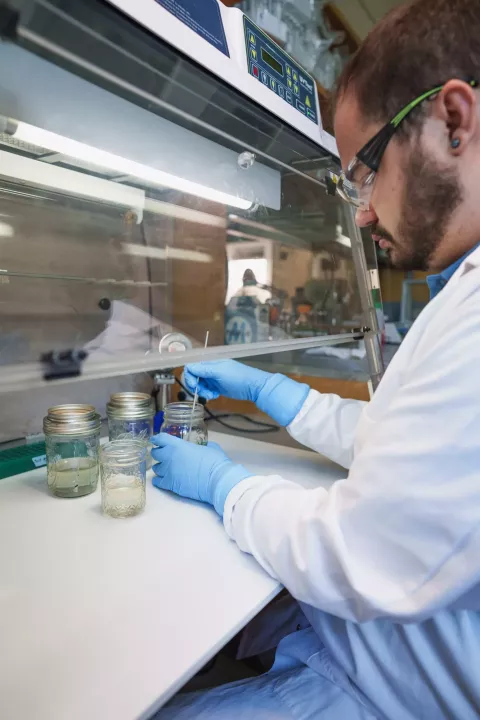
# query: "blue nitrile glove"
[195,471]
[277,395]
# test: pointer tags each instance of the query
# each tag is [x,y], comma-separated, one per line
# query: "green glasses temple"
[371,154]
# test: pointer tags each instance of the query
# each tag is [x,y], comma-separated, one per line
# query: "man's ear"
[456,106]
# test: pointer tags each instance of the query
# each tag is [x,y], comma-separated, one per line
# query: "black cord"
[258,431]
[263,426]
[244,417]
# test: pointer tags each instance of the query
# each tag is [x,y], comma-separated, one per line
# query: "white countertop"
[104,619]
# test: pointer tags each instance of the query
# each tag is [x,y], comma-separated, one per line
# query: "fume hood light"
[168,253]
[86,153]
[6,230]
[343,240]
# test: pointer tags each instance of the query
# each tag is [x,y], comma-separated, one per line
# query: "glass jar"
[178,421]
[72,438]
[130,415]
[123,470]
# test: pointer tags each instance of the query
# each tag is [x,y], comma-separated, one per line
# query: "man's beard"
[431,196]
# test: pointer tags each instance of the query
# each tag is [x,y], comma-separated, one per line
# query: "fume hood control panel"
[277,71]
[227,43]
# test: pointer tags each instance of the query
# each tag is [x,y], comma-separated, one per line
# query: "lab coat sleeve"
[399,538]
[327,424]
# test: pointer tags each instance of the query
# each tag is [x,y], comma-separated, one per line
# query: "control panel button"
[289,83]
[289,97]
[253,39]
[264,77]
[296,90]
[301,107]
[281,91]
[255,71]
[289,70]
[308,102]
[311,115]
[295,76]
[253,53]
[273,84]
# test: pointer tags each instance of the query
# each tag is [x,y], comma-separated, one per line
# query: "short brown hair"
[416,47]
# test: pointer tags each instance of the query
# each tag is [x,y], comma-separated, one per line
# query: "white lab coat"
[386,564]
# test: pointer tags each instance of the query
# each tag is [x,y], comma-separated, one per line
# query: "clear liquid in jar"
[124,497]
[73,477]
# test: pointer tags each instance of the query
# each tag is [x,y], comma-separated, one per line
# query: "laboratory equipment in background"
[164,380]
[175,149]
[246,321]
[184,421]
[123,470]
[72,438]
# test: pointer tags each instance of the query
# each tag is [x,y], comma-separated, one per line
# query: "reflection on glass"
[290,273]
[122,228]
[80,273]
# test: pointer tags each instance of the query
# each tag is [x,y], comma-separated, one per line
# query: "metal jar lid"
[130,406]
[71,420]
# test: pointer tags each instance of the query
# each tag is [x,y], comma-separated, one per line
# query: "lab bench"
[108,619]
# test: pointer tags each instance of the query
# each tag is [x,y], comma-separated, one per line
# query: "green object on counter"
[23,458]
[377,298]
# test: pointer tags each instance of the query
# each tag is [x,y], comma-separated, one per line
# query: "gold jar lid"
[71,420]
[130,406]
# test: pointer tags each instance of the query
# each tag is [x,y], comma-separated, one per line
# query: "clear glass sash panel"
[120,227]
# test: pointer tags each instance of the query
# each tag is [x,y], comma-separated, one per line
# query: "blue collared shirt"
[436,283]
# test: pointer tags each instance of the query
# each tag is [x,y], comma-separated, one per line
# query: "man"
[386,565]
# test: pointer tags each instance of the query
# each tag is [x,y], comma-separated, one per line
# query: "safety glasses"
[355,185]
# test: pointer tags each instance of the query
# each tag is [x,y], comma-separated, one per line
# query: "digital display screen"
[270,60]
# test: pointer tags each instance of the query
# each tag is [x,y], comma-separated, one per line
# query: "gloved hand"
[195,471]
[278,396]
